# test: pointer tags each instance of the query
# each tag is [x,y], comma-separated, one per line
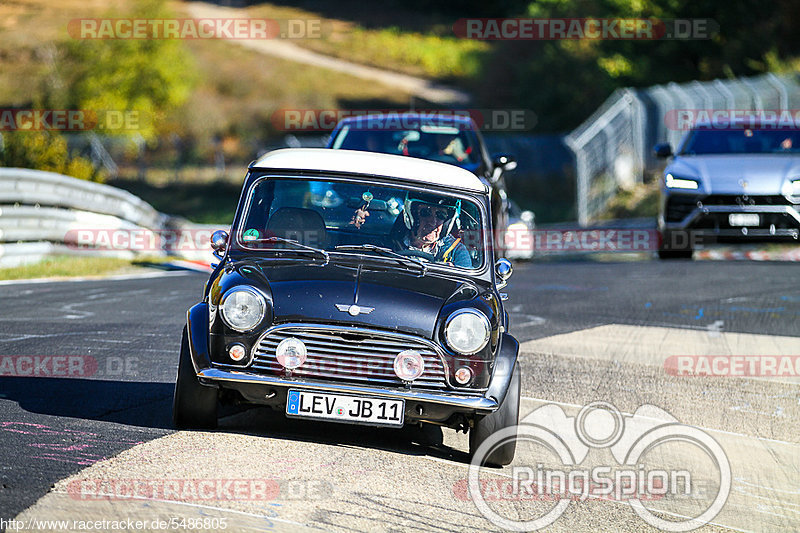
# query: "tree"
[146,76]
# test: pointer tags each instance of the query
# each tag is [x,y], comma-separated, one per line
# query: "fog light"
[237,352]
[291,353]
[409,365]
[464,375]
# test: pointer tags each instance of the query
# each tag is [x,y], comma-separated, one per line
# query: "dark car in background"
[448,138]
[734,183]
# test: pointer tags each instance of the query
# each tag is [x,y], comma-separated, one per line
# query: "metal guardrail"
[43,213]
[37,187]
[613,147]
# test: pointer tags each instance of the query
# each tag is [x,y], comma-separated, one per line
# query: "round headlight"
[243,309]
[467,331]
[291,353]
[409,365]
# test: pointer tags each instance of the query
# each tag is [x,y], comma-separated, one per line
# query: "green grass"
[638,202]
[68,266]
[201,201]
[429,49]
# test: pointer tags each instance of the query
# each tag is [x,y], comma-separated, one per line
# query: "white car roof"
[371,163]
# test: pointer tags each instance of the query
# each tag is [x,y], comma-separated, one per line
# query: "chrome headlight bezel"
[672,181]
[259,298]
[479,342]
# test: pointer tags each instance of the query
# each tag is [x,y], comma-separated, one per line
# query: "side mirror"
[219,241]
[662,150]
[503,269]
[504,161]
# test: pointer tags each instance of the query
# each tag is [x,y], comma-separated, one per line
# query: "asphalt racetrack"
[98,360]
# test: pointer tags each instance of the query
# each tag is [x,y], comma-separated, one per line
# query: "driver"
[429,225]
[426,229]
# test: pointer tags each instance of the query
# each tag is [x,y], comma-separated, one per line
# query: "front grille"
[348,355]
[744,200]
[681,205]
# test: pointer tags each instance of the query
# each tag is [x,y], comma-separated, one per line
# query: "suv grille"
[348,355]
[679,205]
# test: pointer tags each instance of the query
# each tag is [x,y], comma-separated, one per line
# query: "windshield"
[377,220]
[742,141]
[446,144]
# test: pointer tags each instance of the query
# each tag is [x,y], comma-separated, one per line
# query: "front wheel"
[674,245]
[194,406]
[506,416]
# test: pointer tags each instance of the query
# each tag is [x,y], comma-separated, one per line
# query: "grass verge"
[638,202]
[69,267]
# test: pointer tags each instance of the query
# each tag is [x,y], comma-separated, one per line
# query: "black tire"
[506,416]
[672,248]
[194,406]
[675,254]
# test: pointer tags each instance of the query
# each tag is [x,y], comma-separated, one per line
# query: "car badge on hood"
[354,309]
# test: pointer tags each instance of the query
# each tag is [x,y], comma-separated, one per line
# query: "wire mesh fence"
[613,147]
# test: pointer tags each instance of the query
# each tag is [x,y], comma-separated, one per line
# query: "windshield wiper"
[299,247]
[386,252]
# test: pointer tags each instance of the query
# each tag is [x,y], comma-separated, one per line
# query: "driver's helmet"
[451,205]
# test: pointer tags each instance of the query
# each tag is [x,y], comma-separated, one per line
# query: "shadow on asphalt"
[150,405]
[124,402]
[409,440]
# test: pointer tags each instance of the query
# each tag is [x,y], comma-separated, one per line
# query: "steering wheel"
[418,253]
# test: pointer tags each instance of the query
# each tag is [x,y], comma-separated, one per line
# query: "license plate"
[744,219]
[345,408]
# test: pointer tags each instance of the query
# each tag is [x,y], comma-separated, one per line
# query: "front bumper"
[457,402]
[776,221]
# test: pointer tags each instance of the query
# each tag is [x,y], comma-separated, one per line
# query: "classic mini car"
[448,138]
[360,288]
[734,183]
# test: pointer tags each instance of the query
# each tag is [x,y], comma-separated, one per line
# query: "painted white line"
[721,431]
[160,273]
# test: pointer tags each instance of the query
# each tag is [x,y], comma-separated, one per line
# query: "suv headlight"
[674,182]
[243,309]
[467,331]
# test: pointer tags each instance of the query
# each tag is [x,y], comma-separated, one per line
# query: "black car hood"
[399,300]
